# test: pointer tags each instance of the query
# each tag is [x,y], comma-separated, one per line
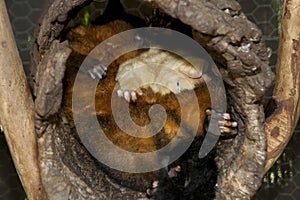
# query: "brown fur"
[82,40]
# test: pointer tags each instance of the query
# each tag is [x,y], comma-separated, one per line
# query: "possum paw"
[129,95]
[168,185]
[152,189]
[94,68]
[227,126]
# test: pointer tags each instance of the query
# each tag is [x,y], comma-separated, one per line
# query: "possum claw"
[227,126]
[94,68]
[152,189]
[120,93]
[129,95]
[174,171]
[133,96]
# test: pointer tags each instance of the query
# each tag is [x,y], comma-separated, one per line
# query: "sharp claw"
[103,66]
[120,93]
[100,68]
[227,123]
[98,75]
[227,130]
[140,92]
[234,124]
[208,111]
[173,172]
[91,74]
[187,182]
[148,192]
[133,96]
[127,96]
[221,123]
[221,129]
[226,116]
[94,68]
[152,189]
[155,184]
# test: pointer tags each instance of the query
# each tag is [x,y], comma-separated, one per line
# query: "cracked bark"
[237,47]
[223,29]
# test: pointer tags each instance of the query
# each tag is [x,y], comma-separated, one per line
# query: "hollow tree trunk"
[243,59]
[247,78]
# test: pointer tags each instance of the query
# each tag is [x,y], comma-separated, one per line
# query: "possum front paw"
[227,126]
[129,95]
[94,68]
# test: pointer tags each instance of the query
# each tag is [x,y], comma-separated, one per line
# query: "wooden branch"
[236,43]
[16,111]
[49,87]
[280,126]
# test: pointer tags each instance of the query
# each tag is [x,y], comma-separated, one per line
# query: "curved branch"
[16,111]
[280,126]
[237,44]
[221,27]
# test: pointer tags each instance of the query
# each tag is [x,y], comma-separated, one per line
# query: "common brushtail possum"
[136,81]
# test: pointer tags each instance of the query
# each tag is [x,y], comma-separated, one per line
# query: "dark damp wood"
[49,87]
[48,90]
[237,46]
[68,170]
[53,21]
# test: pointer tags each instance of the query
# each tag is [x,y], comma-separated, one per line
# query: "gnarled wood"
[16,111]
[280,126]
[237,44]
[237,47]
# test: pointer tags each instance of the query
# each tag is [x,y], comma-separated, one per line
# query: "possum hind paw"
[228,127]
[152,189]
[94,68]
[171,183]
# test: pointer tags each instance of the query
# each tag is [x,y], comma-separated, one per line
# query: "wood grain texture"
[16,111]
[281,124]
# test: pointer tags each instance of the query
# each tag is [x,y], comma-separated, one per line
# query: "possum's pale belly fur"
[162,71]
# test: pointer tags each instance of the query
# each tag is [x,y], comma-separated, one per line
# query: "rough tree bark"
[236,43]
[233,41]
[16,111]
[243,60]
[280,126]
